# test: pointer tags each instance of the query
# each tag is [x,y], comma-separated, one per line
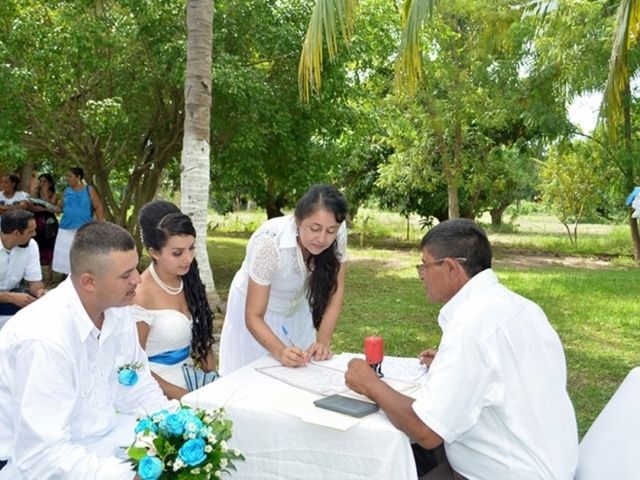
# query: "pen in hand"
[290,343]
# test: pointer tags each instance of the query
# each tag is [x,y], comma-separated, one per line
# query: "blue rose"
[127,377]
[192,424]
[173,424]
[146,424]
[160,414]
[192,452]
[150,468]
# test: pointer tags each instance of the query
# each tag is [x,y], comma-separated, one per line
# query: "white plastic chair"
[611,447]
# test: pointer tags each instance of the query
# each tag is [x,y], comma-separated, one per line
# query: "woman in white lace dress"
[287,296]
[172,313]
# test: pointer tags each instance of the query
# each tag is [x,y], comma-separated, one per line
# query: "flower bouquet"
[187,444]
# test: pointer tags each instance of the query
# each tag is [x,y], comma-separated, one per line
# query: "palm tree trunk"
[194,180]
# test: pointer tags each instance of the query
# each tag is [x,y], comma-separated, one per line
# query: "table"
[278,446]
[610,449]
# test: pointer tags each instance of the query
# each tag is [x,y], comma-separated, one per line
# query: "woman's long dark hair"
[49,179]
[324,267]
[158,221]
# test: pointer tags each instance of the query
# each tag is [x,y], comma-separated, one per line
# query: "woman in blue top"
[78,203]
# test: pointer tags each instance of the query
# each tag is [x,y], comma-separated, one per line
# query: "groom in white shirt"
[59,361]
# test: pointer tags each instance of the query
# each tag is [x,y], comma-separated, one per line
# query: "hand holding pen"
[292,356]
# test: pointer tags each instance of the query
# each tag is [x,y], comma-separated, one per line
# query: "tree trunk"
[194,180]
[496,216]
[273,206]
[27,182]
[452,196]
[454,172]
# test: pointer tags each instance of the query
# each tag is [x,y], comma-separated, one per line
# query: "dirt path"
[526,260]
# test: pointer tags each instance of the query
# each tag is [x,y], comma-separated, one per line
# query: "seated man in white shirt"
[59,361]
[495,393]
[19,260]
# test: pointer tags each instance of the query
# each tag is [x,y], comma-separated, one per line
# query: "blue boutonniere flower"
[127,374]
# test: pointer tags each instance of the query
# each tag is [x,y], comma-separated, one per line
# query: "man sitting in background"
[19,260]
[495,393]
[59,362]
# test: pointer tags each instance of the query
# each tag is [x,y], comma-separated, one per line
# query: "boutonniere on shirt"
[127,373]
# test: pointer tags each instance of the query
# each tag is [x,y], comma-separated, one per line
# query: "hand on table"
[319,351]
[293,356]
[360,376]
[427,356]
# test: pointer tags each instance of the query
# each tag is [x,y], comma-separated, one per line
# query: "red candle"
[373,349]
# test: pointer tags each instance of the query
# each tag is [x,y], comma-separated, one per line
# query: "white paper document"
[325,380]
[313,378]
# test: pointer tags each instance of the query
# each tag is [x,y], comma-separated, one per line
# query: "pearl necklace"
[167,288]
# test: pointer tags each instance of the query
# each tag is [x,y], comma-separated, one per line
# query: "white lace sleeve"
[341,242]
[264,260]
[140,314]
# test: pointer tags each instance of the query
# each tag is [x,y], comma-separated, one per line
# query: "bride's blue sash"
[171,357]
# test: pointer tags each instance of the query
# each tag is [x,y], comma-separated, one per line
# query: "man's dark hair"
[14,220]
[92,245]
[459,238]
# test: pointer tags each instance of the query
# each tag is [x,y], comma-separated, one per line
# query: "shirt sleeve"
[264,260]
[45,404]
[33,272]
[461,382]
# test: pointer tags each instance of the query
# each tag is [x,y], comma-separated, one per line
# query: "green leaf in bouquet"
[136,453]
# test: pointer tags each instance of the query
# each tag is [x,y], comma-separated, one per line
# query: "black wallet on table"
[346,405]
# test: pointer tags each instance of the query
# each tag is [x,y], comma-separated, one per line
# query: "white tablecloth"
[279,446]
[611,448]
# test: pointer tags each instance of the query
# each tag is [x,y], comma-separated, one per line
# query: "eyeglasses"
[423,267]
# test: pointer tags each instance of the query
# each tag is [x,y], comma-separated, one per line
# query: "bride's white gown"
[168,330]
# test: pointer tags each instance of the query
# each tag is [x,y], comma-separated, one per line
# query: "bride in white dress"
[172,313]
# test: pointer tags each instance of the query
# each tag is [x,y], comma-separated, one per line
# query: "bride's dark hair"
[324,267]
[160,220]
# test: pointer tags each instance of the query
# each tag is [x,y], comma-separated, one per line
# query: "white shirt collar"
[477,283]
[81,319]
[2,247]
[289,239]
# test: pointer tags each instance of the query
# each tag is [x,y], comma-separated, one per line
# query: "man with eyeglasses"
[494,404]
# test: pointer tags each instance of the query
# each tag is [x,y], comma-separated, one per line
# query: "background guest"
[43,205]
[19,260]
[78,204]
[10,197]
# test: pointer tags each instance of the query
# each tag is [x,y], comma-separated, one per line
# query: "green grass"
[540,232]
[595,311]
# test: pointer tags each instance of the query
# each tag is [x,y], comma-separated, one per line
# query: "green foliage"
[97,85]
[266,145]
[570,181]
